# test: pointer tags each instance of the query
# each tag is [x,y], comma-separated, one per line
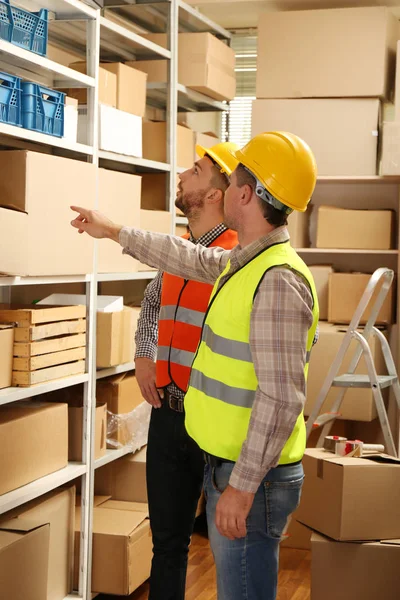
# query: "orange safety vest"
[183,305]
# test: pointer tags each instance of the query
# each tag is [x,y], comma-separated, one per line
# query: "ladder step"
[362,381]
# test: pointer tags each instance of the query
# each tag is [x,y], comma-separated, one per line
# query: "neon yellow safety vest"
[223,380]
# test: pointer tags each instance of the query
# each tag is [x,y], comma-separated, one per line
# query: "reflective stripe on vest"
[183,305]
[223,383]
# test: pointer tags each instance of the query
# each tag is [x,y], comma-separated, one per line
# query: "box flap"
[116,522]
[22,525]
[104,303]
[97,500]
[391,542]
[6,326]
[141,507]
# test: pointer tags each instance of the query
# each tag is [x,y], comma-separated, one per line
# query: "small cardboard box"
[298,229]
[131,87]
[24,559]
[345,292]
[356,229]
[350,125]
[6,354]
[115,338]
[75,432]
[339,500]
[127,188]
[122,547]
[205,64]
[326,42]
[353,570]
[321,274]
[124,479]
[36,243]
[107,86]
[358,403]
[57,509]
[155,143]
[121,393]
[33,442]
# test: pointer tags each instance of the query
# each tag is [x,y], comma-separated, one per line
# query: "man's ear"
[214,196]
[246,194]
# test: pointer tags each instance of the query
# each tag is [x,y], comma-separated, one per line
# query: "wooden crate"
[49,342]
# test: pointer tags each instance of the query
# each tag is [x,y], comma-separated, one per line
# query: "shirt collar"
[276,236]
[208,238]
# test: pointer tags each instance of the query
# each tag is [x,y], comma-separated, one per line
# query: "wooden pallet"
[28,378]
[47,346]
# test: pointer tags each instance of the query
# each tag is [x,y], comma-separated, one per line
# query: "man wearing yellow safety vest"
[247,387]
[169,329]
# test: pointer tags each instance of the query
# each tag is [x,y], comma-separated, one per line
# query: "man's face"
[194,184]
[231,204]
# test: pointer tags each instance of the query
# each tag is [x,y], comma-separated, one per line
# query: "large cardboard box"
[298,229]
[154,191]
[350,125]
[131,88]
[205,64]
[6,354]
[107,85]
[75,432]
[127,188]
[33,442]
[358,403]
[57,509]
[115,337]
[155,143]
[327,42]
[119,132]
[356,229]
[349,570]
[37,243]
[345,292]
[121,393]
[321,274]
[340,501]
[24,559]
[122,547]
[124,479]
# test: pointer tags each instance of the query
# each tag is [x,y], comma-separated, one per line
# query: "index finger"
[82,211]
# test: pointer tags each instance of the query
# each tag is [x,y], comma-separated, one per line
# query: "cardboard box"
[297,536]
[345,292]
[356,229]
[321,274]
[57,509]
[75,432]
[71,119]
[33,442]
[36,243]
[205,64]
[6,354]
[155,143]
[348,570]
[107,86]
[119,131]
[298,229]
[358,403]
[327,42]
[157,221]
[121,393]
[317,121]
[390,148]
[124,479]
[115,338]
[339,500]
[24,559]
[131,88]
[122,547]
[206,140]
[127,188]
[154,191]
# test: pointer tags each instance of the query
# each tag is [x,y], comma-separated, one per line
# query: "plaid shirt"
[280,320]
[147,328]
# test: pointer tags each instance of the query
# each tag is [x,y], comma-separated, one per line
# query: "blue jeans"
[247,568]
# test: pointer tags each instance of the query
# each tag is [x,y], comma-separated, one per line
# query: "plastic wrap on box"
[130,429]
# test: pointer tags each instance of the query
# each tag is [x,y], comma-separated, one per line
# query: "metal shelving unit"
[117,34]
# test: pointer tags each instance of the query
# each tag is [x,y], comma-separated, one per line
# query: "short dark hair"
[219,179]
[275,217]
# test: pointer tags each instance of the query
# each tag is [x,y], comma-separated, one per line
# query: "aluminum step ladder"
[384,278]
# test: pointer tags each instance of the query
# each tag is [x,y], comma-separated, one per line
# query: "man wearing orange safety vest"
[174,307]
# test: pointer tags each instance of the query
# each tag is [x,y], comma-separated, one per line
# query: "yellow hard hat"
[223,154]
[284,164]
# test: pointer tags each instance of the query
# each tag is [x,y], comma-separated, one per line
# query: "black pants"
[175,468]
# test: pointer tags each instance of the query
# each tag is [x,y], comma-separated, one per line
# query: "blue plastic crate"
[10,99]
[22,28]
[42,109]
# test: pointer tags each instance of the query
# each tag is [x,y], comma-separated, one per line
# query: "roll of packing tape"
[331,440]
[349,448]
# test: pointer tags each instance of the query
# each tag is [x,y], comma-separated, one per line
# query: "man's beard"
[190,203]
